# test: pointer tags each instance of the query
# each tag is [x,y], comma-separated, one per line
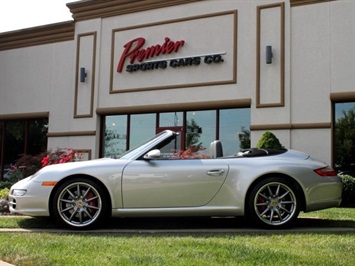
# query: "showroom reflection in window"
[201,127]
[344,137]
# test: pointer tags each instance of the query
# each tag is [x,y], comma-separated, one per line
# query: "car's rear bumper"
[325,195]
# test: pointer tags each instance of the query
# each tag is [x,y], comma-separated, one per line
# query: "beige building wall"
[313,62]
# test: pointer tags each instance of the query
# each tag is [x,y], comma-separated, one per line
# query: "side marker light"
[48,183]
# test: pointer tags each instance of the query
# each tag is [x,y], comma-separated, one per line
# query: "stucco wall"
[314,56]
[322,58]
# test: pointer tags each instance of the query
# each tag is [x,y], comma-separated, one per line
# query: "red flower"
[58,156]
[45,161]
[192,152]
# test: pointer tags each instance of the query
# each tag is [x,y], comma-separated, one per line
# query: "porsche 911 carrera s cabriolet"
[156,179]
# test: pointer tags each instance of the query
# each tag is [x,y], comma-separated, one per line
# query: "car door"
[172,183]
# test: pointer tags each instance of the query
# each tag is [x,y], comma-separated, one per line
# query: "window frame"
[26,120]
[157,114]
[335,101]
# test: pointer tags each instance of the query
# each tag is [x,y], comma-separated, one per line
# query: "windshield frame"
[147,145]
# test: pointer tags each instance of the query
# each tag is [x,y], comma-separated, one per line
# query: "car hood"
[97,167]
[80,164]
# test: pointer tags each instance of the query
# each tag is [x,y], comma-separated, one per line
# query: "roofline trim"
[295,3]
[52,33]
[84,10]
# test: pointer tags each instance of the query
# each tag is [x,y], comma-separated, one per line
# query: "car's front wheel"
[273,203]
[79,203]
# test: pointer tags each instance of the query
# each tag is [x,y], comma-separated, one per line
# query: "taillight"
[325,171]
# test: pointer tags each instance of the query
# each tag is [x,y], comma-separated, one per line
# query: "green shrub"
[269,141]
[5,184]
[4,193]
[4,197]
[348,190]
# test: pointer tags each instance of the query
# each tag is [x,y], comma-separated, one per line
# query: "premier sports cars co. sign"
[180,53]
[142,58]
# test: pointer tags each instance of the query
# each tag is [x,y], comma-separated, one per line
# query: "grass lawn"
[242,248]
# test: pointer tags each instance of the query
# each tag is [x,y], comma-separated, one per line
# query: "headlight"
[18,192]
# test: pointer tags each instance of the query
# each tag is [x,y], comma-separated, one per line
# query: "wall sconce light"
[82,74]
[269,54]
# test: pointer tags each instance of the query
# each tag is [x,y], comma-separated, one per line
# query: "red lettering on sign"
[133,51]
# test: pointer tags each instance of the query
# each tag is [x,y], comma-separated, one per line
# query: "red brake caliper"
[92,202]
[261,208]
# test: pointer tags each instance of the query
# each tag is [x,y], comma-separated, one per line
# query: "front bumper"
[34,202]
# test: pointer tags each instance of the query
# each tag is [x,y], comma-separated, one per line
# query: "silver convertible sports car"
[269,187]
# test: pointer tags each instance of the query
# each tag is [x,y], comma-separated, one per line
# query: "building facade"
[122,71]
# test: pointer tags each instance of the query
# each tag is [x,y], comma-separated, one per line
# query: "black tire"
[79,203]
[273,203]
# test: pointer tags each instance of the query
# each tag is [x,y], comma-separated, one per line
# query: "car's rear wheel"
[79,203]
[273,203]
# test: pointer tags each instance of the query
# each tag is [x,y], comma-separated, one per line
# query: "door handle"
[215,172]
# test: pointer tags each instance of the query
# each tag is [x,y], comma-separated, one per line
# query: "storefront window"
[18,137]
[14,142]
[234,130]
[142,127]
[115,141]
[200,129]
[344,146]
[231,126]
[37,139]
[173,119]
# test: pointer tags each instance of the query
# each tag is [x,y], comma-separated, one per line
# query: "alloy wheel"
[79,204]
[275,203]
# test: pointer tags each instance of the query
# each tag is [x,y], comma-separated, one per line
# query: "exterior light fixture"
[83,74]
[269,54]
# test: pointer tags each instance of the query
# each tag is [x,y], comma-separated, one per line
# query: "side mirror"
[153,154]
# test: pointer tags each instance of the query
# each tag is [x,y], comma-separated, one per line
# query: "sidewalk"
[182,231]
[3,263]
